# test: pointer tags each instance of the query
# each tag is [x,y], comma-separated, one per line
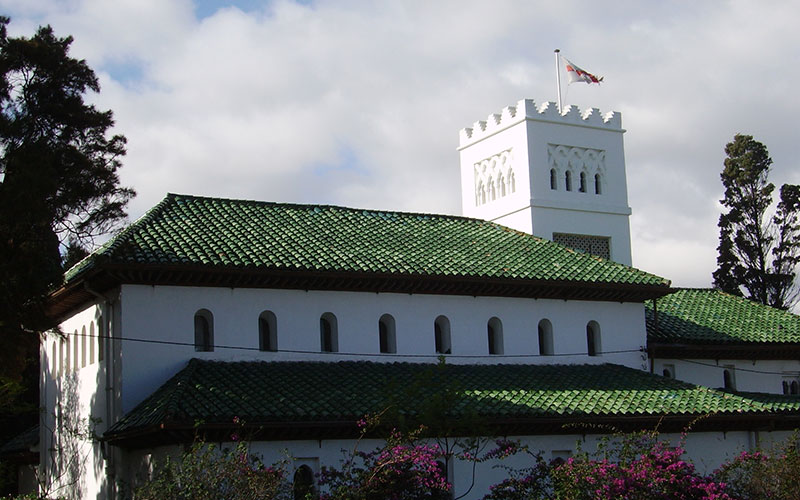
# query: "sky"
[359,103]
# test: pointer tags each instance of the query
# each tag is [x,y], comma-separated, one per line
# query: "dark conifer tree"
[58,179]
[757,255]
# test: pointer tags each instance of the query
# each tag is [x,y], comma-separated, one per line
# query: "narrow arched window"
[76,351]
[92,342]
[553,179]
[386,334]
[728,379]
[303,483]
[63,357]
[593,338]
[495,336]
[267,331]
[582,187]
[597,185]
[54,361]
[568,180]
[83,347]
[545,338]
[100,339]
[203,331]
[793,388]
[328,334]
[785,387]
[67,363]
[441,335]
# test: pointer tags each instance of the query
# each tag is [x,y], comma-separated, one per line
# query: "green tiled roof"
[216,233]
[296,393]
[707,316]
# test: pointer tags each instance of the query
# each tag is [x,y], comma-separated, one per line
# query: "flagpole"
[558,79]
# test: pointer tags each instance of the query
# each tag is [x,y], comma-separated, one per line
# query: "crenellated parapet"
[526,109]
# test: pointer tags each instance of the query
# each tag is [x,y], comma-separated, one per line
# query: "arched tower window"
[101,345]
[76,351]
[441,335]
[553,179]
[793,388]
[386,334]
[203,331]
[495,336]
[267,331]
[545,338]
[568,180]
[582,187]
[303,483]
[593,346]
[597,184]
[328,334]
[54,361]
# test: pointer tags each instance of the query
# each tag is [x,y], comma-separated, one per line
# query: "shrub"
[765,474]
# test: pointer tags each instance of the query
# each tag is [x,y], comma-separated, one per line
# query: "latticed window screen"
[595,245]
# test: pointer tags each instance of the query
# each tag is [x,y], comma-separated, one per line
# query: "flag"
[575,74]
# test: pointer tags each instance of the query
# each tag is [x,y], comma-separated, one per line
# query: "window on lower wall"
[386,334]
[729,378]
[328,333]
[791,384]
[441,335]
[303,483]
[495,336]
[203,331]
[668,371]
[267,331]
[593,345]
[545,331]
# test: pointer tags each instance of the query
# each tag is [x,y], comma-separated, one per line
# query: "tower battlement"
[526,109]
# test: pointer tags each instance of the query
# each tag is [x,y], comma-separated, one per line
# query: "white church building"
[301,319]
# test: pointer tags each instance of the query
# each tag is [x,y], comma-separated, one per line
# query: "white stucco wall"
[749,375]
[166,314]
[73,401]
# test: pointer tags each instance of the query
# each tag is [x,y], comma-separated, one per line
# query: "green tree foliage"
[58,178]
[758,254]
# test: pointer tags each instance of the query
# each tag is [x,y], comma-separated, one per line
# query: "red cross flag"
[576,74]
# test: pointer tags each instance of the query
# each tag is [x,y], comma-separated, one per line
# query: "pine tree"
[757,255]
[58,179]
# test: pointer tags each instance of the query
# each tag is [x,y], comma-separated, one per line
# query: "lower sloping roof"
[708,323]
[292,400]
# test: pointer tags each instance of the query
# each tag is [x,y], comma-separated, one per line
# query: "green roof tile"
[264,392]
[240,234]
[707,316]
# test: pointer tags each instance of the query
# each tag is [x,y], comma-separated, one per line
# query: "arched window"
[785,387]
[553,179]
[303,483]
[441,335]
[203,331]
[92,341]
[593,338]
[386,334]
[495,336]
[267,331]
[83,347]
[54,361]
[668,371]
[63,357]
[545,338]
[328,333]
[728,379]
[66,363]
[568,180]
[582,187]
[100,339]
[76,351]
[793,388]
[597,185]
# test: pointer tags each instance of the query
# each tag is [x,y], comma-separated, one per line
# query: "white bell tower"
[557,176]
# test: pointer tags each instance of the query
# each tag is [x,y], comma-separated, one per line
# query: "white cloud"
[359,103]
